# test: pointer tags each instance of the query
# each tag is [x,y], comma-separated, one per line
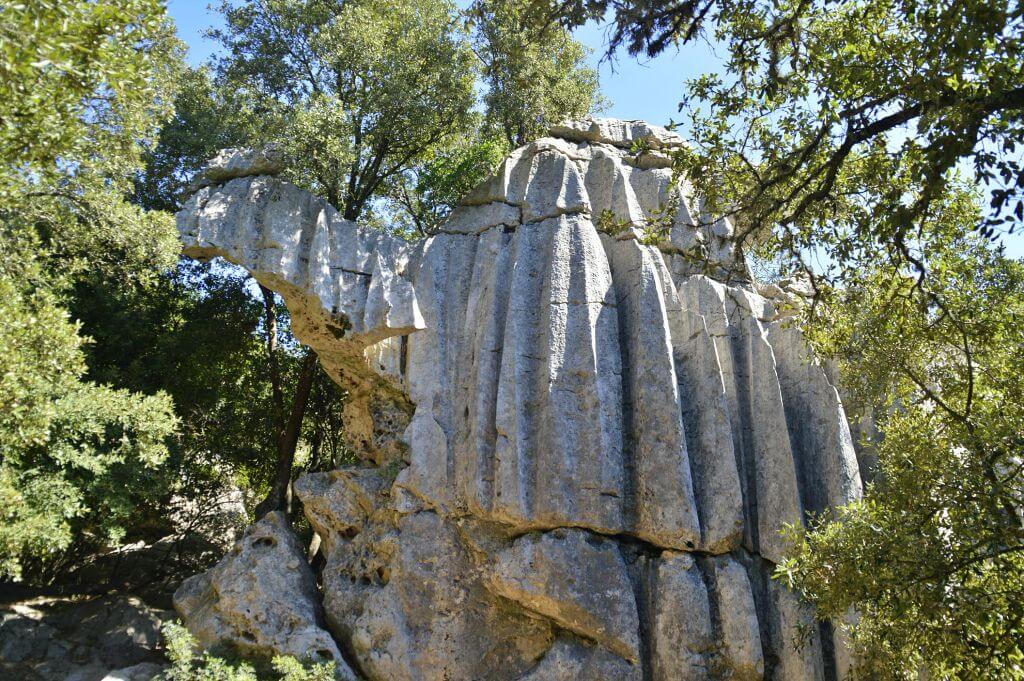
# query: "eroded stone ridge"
[604,434]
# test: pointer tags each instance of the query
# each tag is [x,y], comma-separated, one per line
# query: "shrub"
[189,664]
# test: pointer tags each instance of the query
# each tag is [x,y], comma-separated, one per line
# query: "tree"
[423,196]
[840,132]
[196,335]
[933,558]
[535,76]
[287,427]
[207,118]
[530,80]
[83,88]
[356,92]
[78,458]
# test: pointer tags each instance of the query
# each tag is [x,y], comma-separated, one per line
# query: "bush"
[188,664]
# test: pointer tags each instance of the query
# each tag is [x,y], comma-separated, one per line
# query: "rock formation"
[605,428]
[80,639]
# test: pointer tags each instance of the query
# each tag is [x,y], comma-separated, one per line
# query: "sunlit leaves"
[933,558]
[355,92]
[83,89]
[535,76]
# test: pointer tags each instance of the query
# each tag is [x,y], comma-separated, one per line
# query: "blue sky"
[638,88]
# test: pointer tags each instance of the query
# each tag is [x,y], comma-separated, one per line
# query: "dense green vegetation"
[188,665]
[844,138]
[933,557]
[872,146]
[83,86]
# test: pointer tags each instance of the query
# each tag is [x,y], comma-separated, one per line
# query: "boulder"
[144,671]
[577,580]
[682,637]
[572,660]
[231,163]
[261,597]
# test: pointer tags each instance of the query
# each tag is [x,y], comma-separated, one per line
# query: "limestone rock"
[144,671]
[572,660]
[706,417]
[231,163]
[434,620]
[340,504]
[622,134]
[597,439]
[469,219]
[407,591]
[666,509]
[797,658]
[63,639]
[740,639]
[261,597]
[823,445]
[682,638]
[577,580]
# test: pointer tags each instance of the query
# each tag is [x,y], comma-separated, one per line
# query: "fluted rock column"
[604,435]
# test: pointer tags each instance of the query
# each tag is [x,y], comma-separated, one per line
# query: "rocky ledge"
[599,427]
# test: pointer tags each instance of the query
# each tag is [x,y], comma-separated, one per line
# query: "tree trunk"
[270,319]
[279,497]
[286,433]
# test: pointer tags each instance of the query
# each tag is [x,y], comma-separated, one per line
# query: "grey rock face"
[682,637]
[603,437]
[737,612]
[144,671]
[571,660]
[65,639]
[622,134]
[232,163]
[432,618]
[261,596]
[578,581]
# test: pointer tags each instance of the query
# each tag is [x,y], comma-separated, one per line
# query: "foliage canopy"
[83,89]
[933,558]
[355,92]
[534,77]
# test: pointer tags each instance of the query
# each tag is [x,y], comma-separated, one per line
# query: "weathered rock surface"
[232,163]
[603,437]
[262,596]
[80,640]
[144,671]
[571,660]
[578,581]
